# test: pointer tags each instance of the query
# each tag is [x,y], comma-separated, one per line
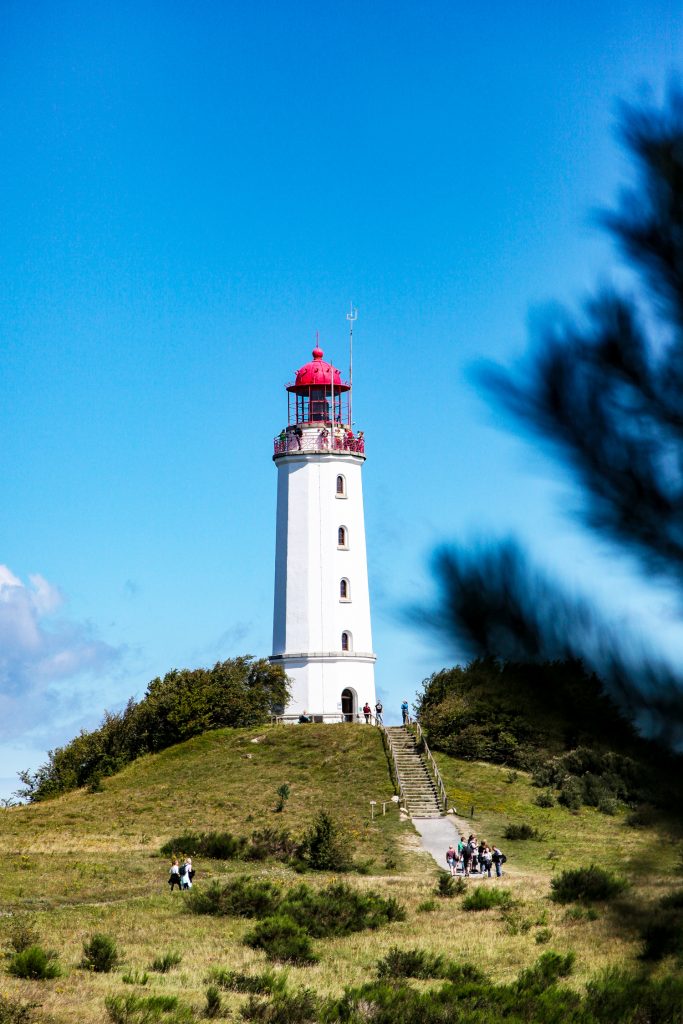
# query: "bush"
[134,1009]
[214,845]
[545,972]
[416,963]
[23,934]
[339,909]
[266,983]
[483,898]
[587,885]
[301,1007]
[213,1002]
[13,1012]
[426,907]
[243,897]
[447,886]
[326,846]
[272,843]
[135,977]
[99,954]
[545,799]
[283,792]
[522,831]
[163,964]
[283,939]
[35,963]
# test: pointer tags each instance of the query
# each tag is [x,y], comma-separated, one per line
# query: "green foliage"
[326,847]
[545,799]
[587,885]
[14,1012]
[282,797]
[242,897]
[417,963]
[447,886]
[133,1009]
[265,983]
[269,843]
[185,703]
[135,978]
[23,934]
[522,831]
[213,1002]
[545,972]
[215,845]
[662,928]
[484,897]
[163,964]
[426,907]
[100,954]
[36,963]
[517,714]
[595,778]
[282,939]
[302,1007]
[339,909]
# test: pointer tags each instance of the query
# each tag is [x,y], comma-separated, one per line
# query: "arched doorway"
[348,703]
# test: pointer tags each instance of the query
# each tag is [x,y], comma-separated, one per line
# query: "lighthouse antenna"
[351,316]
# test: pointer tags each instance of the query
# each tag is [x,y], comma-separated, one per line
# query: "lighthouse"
[321,621]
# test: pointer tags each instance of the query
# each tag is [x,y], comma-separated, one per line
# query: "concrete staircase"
[419,789]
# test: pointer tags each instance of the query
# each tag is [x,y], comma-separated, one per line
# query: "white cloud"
[39,649]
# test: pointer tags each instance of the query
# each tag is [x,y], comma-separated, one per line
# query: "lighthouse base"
[330,688]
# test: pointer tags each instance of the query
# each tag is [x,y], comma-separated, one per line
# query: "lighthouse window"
[341,487]
[344,591]
[342,537]
[346,641]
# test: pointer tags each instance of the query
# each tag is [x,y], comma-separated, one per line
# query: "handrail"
[430,757]
[388,745]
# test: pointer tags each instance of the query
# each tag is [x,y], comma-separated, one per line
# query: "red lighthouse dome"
[317,373]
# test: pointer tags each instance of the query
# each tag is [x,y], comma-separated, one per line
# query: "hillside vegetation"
[88,863]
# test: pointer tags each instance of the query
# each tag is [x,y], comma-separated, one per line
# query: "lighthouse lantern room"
[321,620]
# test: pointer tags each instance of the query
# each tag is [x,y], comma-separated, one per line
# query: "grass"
[89,864]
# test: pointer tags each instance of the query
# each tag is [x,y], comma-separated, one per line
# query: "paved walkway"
[437,834]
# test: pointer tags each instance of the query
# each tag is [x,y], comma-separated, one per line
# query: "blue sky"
[188,194]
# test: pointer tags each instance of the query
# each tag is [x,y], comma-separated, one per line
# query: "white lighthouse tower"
[321,621]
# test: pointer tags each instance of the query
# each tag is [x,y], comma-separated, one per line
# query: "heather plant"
[282,939]
[483,898]
[163,964]
[100,954]
[242,897]
[23,934]
[588,885]
[265,983]
[35,963]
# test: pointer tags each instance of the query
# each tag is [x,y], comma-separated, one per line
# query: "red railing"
[318,442]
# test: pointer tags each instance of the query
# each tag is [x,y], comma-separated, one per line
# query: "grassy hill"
[89,862]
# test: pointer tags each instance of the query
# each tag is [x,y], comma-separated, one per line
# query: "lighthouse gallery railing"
[292,444]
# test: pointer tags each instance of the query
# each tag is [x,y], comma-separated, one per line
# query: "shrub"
[571,795]
[271,843]
[326,846]
[13,1012]
[243,897]
[133,1009]
[23,934]
[301,1007]
[545,799]
[522,831]
[588,885]
[283,939]
[427,906]
[35,963]
[545,972]
[283,792]
[447,886]
[213,1002]
[483,898]
[215,845]
[266,983]
[100,954]
[135,978]
[339,909]
[163,964]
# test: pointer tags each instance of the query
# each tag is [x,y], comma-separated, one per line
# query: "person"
[486,860]
[174,876]
[474,854]
[304,718]
[498,859]
[451,858]
[405,708]
[298,433]
[466,858]
[378,712]
[323,437]
[186,874]
[367,711]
